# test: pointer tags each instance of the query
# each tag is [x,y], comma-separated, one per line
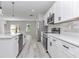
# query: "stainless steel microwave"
[50,19]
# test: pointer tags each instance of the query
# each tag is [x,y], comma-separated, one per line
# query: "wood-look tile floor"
[33,49]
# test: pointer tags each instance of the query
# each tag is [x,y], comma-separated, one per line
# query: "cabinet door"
[59,52]
[67,10]
[57,11]
[60,11]
[50,47]
[16,45]
[54,48]
[71,49]
[54,11]
[45,20]
[57,49]
[75,9]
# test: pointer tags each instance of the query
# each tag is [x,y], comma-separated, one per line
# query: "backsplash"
[72,26]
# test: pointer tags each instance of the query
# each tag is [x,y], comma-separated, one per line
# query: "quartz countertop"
[8,35]
[71,38]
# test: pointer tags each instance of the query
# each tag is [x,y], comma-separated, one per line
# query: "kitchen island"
[10,45]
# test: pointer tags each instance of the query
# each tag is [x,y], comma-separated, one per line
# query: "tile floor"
[33,49]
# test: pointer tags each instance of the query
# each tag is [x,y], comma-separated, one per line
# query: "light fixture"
[1,9]
[13,9]
[33,10]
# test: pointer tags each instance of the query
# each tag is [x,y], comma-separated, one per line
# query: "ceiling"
[23,9]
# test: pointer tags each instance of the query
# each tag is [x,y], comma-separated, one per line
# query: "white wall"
[2,22]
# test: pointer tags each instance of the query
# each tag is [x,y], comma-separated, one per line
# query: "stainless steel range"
[45,37]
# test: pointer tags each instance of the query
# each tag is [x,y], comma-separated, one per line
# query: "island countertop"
[4,36]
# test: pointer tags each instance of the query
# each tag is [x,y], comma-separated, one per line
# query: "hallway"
[33,49]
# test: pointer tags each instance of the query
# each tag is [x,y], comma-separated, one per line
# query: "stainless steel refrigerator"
[42,28]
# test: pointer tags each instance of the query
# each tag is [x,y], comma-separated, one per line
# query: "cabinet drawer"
[59,52]
[73,50]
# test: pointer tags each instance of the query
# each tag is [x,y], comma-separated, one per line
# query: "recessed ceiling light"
[33,10]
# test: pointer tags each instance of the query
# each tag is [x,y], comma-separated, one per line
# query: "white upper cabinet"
[45,19]
[49,12]
[57,10]
[76,9]
[64,11]
[67,10]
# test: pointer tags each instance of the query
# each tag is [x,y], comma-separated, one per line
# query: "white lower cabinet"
[71,49]
[50,49]
[57,50]
[16,46]
[9,47]
[60,52]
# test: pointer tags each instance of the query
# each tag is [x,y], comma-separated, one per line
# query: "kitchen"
[39,29]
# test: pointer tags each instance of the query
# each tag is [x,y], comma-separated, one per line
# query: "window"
[14,29]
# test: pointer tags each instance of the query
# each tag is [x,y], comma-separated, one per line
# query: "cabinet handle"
[24,36]
[59,18]
[66,47]
[50,43]
[54,40]
[16,39]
